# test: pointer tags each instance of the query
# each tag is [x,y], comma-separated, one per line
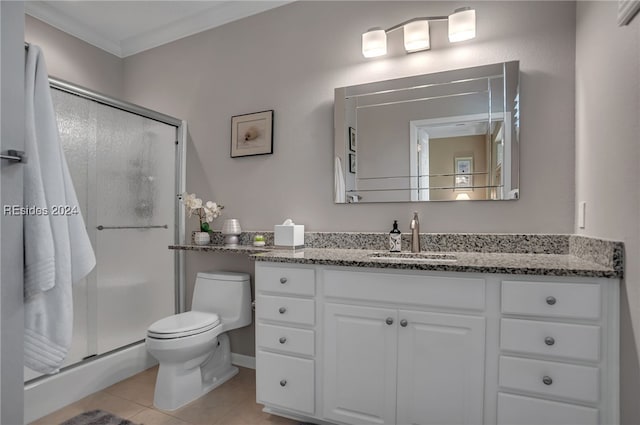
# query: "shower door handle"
[101,227]
[14,156]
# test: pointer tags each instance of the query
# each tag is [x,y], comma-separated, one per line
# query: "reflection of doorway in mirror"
[463,167]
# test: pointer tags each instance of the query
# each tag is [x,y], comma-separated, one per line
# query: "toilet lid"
[183,324]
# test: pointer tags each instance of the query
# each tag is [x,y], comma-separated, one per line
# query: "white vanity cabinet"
[558,352]
[392,346]
[285,338]
[388,359]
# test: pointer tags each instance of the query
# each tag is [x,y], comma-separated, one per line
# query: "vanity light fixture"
[462,26]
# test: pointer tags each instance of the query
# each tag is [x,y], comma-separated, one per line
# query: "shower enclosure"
[126,164]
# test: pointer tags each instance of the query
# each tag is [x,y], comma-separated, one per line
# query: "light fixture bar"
[426,18]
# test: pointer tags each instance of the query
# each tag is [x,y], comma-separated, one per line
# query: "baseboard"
[244,361]
[53,392]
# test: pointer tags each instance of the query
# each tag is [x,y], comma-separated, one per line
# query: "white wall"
[291,58]
[607,157]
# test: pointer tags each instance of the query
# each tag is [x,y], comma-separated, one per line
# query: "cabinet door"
[360,355]
[440,368]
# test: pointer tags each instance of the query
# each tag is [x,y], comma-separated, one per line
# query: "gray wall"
[206,79]
[289,59]
[12,137]
[607,155]
[74,60]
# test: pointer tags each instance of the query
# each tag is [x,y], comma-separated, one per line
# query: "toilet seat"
[183,324]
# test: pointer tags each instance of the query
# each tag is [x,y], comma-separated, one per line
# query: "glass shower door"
[123,168]
[135,198]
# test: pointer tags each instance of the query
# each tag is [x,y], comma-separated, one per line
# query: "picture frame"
[352,163]
[463,172]
[352,139]
[252,134]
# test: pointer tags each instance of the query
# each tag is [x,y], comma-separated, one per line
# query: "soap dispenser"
[395,238]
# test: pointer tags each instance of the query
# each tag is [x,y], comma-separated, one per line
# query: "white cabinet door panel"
[360,353]
[440,368]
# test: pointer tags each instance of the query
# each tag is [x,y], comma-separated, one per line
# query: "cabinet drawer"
[285,280]
[551,299]
[291,340]
[285,381]
[518,410]
[580,342]
[566,380]
[285,309]
[434,291]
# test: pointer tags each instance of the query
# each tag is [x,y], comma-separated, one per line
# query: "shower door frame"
[180,170]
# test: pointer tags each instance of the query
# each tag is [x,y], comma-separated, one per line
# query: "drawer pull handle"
[282,310]
[404,323]
[283,382]
[389,321]
[282,340]
[549,340]
[547,380]
[283,280]
[551,300]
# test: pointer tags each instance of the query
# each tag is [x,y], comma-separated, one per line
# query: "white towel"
[57,249]
[339,186]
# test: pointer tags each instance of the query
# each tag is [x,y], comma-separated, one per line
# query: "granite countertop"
[505,263]
[478,262]
[535,254]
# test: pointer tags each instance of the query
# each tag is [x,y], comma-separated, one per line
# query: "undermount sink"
[412,256]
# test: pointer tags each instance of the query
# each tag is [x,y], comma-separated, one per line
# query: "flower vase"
[201,238]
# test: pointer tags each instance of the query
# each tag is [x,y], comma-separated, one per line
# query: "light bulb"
[416,36]
[462,25]
[374,43]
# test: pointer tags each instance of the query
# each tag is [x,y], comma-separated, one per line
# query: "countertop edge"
[269,254]
[446,267]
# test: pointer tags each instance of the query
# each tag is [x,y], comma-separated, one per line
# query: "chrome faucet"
[415,233]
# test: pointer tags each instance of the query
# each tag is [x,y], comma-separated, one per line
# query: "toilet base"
[179,384]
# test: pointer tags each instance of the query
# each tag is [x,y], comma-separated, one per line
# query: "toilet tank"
[227,294]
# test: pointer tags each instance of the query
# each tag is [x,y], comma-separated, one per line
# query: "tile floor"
[233,403]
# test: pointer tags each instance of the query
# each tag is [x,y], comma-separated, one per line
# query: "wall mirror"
[445,136]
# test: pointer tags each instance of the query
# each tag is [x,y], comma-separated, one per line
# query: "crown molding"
[48,14]
[210,18]
[215,16]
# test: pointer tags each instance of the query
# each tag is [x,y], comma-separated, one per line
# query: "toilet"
[193,347]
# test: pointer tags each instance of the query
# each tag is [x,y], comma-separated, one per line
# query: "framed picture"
[252,134]
[463,169]
[352,163]
[352,139]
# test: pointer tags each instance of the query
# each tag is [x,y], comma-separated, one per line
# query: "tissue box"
[288,236]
